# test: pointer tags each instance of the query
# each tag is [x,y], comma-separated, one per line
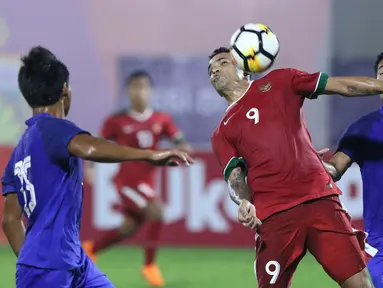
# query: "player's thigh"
[333,242]
[31,277]
[375,268]
[280,247]
[89,276]
[134,200]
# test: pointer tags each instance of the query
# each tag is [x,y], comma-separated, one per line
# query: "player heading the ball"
[275,175]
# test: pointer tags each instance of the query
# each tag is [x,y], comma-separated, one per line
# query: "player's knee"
[359,280]
[154,211]
[129,226]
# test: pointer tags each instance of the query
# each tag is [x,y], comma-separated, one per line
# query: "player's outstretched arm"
[353,86]
[12,222]
[100,150]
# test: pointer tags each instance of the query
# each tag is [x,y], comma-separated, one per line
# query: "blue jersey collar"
[33,119]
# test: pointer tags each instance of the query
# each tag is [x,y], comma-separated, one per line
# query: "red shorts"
[323,228]
[135,199]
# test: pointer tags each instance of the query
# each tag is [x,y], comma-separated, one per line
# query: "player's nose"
[215,71]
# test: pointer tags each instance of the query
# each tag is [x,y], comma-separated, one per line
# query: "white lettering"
[29,195]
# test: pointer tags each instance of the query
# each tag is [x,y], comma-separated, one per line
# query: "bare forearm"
[238,188]
[354,86]
[338,165]
[15,233]
[103,151]
[332,171]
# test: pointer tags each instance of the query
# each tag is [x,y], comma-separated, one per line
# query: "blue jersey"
[363,143]
[48,181]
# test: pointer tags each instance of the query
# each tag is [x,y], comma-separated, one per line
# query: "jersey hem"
[8,190]
[281,208]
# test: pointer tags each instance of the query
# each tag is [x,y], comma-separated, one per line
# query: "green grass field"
[186,268]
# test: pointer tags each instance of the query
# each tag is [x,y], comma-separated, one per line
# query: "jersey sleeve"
[110,129]
[56,135]
[227,155]
[8,179]
[170,129]
[351,142]
[308,85]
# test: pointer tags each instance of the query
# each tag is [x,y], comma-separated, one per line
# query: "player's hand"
[247,215]
[322,152]
[170,157]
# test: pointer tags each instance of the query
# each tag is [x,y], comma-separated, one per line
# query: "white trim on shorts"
[135,196]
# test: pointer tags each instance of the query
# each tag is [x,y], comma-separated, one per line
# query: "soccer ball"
[254,48]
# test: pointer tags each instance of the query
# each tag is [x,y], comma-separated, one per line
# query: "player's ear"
[240,73]
[66,90]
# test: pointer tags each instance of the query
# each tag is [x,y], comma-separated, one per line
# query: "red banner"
[198,210]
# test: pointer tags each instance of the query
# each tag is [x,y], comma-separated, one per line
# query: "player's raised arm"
[353,86]
[311,85]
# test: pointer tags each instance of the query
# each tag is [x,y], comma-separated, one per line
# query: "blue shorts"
[375,268]
[86,276]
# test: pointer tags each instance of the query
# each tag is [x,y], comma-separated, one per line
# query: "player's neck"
[53,110]
[139,110]
[233,94]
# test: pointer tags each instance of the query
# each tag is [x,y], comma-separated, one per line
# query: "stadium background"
[102,41]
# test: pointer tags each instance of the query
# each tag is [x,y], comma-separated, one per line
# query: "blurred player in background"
[267,157]
[139,127]
[43,180]
[362,143]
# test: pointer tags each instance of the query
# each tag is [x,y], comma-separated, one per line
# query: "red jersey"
[138,130]
[265,129]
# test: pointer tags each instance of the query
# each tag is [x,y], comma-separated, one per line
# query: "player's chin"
[219,83]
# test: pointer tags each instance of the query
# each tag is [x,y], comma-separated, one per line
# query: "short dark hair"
[41,77]
[219,51]
[139,74]
[377,61]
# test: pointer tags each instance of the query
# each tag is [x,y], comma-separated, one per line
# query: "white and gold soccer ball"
[254,48]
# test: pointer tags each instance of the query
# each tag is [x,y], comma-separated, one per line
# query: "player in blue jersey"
[43,181]
[362,143]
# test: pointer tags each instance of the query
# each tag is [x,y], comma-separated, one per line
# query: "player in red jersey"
[139,127]
[268,160]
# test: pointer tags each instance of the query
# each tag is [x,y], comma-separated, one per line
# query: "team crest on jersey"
[157,128]
[265,88]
